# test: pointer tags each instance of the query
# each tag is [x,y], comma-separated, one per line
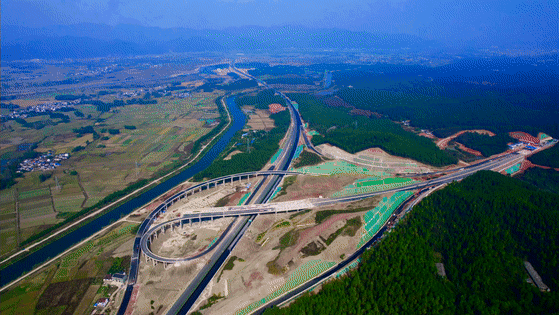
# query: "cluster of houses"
[181,95]
[44,162]
[40,108]
[85,71]
[124,94]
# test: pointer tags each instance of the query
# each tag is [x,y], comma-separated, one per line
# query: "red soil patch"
[276,108]
[466,149]
[255,276]
[314,190]
[364,112]
[174,191]
[336,102]
[430,136]
[524,137]
[375,150]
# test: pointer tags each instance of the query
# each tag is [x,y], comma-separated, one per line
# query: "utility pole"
[137,172]
[57,183]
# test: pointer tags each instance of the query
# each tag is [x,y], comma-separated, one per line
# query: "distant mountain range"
[96,40]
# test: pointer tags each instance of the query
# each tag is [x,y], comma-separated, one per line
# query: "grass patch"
[211,301]
[287,181]
[222,202]
[350,228]
[312,249]
[230,263]
[119,264]
[282,224]
[299,213]
[288,239]
[321,216]
[260,236]
[274,268]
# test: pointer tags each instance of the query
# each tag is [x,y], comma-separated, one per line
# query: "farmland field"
[63,286]
[105,161]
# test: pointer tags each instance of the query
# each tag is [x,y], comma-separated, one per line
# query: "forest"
[446,106]
[548,157]
[485,144]
[357,133]
[481,229]
[544,179]
[261,100]
[307,158]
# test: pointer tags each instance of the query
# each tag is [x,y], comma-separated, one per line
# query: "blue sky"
[443,20]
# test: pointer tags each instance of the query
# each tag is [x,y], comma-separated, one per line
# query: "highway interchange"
[244,216]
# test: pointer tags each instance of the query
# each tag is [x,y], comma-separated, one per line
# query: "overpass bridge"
[289,206]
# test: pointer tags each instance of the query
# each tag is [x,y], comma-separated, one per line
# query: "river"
[53,249]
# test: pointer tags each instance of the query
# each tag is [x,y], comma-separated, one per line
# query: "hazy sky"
[524,20]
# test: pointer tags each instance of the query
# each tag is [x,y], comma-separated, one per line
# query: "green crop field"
[33,193]
[7,201]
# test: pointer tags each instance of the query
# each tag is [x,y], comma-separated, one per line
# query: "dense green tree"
[357,133]
[548,157]
[481,229]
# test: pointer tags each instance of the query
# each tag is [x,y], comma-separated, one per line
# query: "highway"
[189,296]
[236,211]
[261,196]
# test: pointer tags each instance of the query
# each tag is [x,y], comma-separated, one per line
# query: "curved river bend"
[53,249]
